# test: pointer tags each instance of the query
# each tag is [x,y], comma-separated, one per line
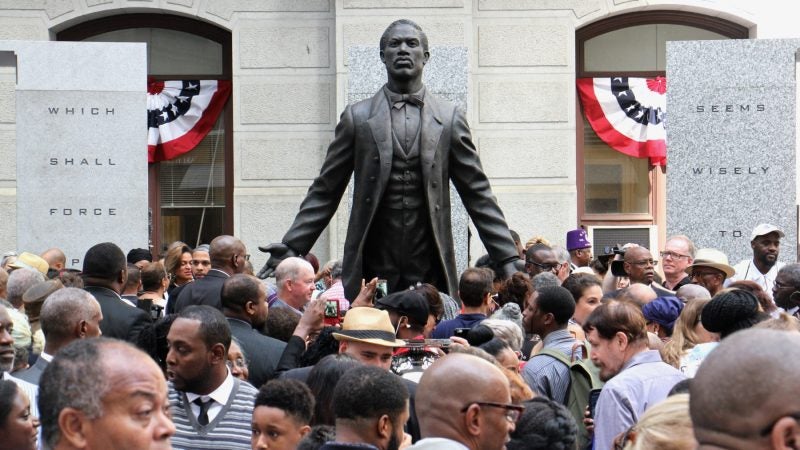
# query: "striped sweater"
[230,429]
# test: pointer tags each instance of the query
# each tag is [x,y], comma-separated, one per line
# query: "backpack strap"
[555,354]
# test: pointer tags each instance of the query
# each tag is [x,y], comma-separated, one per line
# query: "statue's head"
[404,49]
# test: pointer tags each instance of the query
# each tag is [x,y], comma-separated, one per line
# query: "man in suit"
[104,276]
[68,314]
[244,304]
[404,147]
[228,256]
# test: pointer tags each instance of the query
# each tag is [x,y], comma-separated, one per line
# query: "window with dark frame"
[613,187]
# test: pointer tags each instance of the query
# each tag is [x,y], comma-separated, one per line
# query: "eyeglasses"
[768,429]
[699,274]
[512,412]
[673,255]
[246,257]
[644,263]
[494,298]
[238,362]
[545,267]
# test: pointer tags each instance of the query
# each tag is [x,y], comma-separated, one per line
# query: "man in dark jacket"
[228,257]
[244,304]
[104,276]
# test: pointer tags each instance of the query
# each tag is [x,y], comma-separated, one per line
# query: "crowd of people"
[583,349]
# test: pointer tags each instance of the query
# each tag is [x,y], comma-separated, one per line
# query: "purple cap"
[576,239]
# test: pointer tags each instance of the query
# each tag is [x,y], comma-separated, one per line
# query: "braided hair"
[544,425]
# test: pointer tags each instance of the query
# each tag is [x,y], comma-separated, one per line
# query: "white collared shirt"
[747,270]
[220,396]
[46,356]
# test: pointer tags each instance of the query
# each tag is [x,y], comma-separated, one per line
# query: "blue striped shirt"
[546,375]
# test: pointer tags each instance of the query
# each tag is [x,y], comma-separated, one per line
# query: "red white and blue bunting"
[628,114]
[181,113]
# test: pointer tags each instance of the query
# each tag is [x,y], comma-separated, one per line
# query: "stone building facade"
[289,71]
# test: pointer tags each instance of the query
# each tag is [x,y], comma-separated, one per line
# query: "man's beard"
[393,443]
[6,367]
[769,263]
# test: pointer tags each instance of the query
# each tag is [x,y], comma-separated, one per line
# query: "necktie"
[399,100]
[202,418]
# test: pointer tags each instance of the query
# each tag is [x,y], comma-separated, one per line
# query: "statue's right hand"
[277,253]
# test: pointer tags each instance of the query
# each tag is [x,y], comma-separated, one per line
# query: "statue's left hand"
[277,253]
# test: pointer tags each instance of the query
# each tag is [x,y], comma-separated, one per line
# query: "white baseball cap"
[765,228]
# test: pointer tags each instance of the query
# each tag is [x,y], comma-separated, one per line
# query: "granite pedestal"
[81,139]
[731,142]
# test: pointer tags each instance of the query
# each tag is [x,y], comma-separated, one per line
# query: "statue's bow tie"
[399,100]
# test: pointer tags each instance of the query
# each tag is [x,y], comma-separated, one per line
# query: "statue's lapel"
[380,123]
[430,133]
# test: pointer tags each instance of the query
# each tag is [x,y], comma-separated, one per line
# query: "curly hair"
[516,289]
[317,437]
[368,392]
[293,397]
[544,425]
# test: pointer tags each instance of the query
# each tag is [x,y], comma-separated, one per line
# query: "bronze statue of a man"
[403,146]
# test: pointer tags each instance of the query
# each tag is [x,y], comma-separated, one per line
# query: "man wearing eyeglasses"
[640,267]
[678,254]
[786,289]
[540,258]
[742,395]
[467,405]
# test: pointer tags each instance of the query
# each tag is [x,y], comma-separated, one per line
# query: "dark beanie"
[731,311]
[138,254]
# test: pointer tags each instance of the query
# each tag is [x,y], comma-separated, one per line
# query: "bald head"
[442,396]
[639,265]
[740,389]
[689,292]
[638,294]
[55,258]
[227,254]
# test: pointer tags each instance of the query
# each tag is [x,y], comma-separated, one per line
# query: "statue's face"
[403,55]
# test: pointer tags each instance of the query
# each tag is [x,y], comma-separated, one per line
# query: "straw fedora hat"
[30,261]
[711,257]
[369,325]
